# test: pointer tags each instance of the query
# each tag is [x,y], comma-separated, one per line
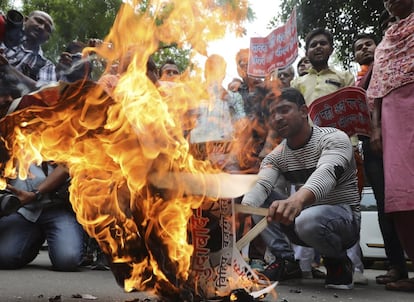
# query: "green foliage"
[345,19]
[85,19]
[180,56]
[5,5]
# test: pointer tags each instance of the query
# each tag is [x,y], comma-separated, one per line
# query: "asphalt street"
[37,282]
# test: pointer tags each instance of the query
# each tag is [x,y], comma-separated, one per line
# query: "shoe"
[314,273]
[283,269]
[101,263]
[318,274]
[359,278]
[392,275]
[87,260]
[403,285]
[339,273]
[257,265]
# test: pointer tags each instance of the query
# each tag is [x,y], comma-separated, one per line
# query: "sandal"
[391,276]
[403,285]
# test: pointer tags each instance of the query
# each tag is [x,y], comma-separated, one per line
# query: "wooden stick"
[256,230]
[241,208]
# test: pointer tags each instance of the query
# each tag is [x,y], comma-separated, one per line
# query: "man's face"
[169,72]
[285,76]
[364,49]
[287,118]
[304,66]
[319,50]
[38,27]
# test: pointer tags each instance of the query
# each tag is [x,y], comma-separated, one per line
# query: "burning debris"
[156,236]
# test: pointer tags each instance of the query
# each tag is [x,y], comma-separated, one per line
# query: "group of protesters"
[309,177]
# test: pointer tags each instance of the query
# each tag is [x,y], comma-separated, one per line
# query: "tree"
[85,19]
[5,6]
[345,19]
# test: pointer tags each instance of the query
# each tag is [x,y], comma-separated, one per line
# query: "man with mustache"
[323,213]
[320,81]
[321,78]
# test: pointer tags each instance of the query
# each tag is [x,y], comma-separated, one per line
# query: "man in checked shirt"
[26,61]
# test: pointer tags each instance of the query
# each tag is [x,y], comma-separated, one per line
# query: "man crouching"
[323,212]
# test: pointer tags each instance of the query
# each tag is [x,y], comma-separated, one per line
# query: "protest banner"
[277,50]
[345,109]
[217,265]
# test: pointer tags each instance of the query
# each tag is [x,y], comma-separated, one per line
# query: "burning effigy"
[164,218]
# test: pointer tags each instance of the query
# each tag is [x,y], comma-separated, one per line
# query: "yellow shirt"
[317,84]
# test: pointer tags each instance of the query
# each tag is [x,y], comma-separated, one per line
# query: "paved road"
[38,283]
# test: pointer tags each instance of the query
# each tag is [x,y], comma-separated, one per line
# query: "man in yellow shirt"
[321,79]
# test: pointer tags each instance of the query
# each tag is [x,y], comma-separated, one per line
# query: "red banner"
[345,109]
[278,50]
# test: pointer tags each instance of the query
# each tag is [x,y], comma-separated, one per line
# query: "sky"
[264,10]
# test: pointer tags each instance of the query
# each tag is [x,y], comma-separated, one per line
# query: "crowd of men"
[310,177]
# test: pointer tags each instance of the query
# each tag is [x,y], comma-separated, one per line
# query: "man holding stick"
[323,213]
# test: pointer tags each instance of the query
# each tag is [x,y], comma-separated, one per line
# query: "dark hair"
[384,19]
[363,36]
[318,31]
[152,71]
[75,47]
[167,62]
[151,66]
[292,95]
[265,96]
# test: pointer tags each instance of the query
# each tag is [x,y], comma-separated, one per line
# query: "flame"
[111,144]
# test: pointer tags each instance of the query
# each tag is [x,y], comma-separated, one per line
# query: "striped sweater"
[325,165]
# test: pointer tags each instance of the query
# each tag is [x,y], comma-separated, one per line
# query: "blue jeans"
[329,229]
[21,240]
[276,241]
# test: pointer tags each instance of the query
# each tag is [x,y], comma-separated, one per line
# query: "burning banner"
[277,50]
[135,186]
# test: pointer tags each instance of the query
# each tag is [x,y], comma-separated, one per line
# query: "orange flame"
[112,144]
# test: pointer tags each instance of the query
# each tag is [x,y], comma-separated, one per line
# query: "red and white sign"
[345,109]
[278,50]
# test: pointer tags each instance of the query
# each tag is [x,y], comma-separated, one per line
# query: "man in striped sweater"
[323,213]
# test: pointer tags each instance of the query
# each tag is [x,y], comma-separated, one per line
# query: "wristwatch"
[38,195]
